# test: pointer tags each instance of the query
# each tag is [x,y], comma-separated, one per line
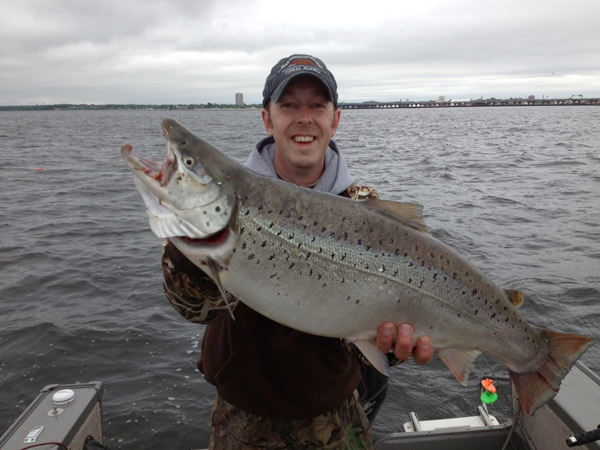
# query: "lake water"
[515,189]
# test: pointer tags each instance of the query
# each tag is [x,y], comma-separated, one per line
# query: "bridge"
[472,103]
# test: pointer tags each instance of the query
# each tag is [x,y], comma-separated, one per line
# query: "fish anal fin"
[537,387]
[515,297]
[409,213]
[459,361]
[214,271]
[377,359]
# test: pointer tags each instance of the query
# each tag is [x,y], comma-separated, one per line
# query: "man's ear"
[336,121]
[267,121]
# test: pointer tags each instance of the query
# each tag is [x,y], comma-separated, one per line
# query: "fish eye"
[189,161]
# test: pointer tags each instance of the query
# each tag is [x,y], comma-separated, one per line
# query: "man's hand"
[403,344]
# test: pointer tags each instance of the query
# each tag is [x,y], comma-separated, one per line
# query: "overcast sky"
[200,51]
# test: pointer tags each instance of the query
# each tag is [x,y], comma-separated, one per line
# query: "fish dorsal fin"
[515,297]
[410,214]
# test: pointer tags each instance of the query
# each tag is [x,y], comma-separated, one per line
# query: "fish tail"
[536,388]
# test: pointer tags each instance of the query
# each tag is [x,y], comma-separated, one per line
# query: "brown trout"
[335,267]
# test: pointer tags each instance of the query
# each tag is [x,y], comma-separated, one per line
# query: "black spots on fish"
[324,285]
[320,249]
[207,224]
[217,209]
[260,207]
[368,247]
[345,236]
[397,252]
[357,302]
[291,236]
[359,242]
[492,316]
[251,256]
[323,229]
[435,275]
[263,244]
[476,311]
[246,212]
[313,239]
[332,256]
[273,275]
[272,257]
[410,280]
[243,246]
[343,257]
[242,229]
[315,223]
[474,292]
[332,234]
[300,218]
[291,265]
[281,212]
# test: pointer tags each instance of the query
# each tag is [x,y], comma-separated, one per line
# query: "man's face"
[302,123]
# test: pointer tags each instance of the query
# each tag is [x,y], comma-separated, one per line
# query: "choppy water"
[515,189]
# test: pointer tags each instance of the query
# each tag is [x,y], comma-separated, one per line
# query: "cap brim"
[280,89]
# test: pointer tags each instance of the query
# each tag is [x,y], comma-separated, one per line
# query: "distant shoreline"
[572,101]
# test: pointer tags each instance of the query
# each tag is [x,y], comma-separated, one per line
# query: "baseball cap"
[292,66]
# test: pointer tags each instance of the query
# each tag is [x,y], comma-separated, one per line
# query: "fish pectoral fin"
[459,361]
[410,214]
[377,358]
[214,272]
[515,297]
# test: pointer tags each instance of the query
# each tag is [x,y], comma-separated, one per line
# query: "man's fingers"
[385,337]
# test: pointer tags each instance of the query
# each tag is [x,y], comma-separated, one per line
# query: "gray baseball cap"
[292,66]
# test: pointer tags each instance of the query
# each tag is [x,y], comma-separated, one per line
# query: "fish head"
[187,195]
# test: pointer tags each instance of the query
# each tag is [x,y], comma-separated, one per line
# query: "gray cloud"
[182,51]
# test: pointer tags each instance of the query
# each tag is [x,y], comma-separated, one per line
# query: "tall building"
[239,99]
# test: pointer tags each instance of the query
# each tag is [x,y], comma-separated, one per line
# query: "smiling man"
[278,387]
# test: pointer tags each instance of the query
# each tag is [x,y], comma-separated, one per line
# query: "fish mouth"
[161,172]
[213,240]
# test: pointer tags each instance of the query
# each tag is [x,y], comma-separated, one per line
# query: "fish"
[330,266]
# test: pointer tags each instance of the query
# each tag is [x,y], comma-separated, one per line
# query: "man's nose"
[304,114]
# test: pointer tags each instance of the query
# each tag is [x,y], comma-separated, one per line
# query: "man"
[278,387]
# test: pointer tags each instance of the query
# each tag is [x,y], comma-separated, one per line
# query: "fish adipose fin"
[214,271]
[515,297]
[377,359]
[459,361]
[536,388]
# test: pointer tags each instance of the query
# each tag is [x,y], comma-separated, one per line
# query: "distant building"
[442,98]
[531,97]
[239,99]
